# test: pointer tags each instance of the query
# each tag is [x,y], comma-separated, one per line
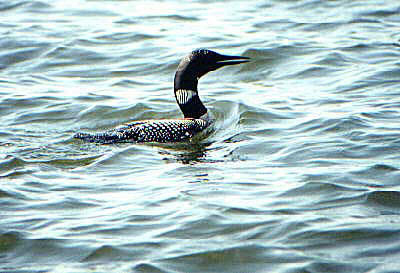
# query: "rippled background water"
[302,174]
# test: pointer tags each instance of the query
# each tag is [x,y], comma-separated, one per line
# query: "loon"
[196,119]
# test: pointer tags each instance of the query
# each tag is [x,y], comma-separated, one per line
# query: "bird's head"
[201,61]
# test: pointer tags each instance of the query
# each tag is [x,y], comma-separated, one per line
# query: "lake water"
[301,175]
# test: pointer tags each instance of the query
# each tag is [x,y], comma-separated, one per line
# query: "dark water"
[302,175]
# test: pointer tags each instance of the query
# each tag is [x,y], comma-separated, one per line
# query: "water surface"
[301,175]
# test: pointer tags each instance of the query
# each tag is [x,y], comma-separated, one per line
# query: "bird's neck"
[187,96]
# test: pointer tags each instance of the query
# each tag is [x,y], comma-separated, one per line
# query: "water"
[301,175]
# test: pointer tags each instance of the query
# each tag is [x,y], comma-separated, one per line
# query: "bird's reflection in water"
[185,153]
[192,159]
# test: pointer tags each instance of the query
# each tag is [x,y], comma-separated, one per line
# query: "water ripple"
[299,174]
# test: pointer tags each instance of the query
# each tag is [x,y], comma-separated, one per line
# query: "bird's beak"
[231,60]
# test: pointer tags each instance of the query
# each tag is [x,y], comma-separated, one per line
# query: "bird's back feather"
[165,130]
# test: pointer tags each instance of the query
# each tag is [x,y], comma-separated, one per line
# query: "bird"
[195,119]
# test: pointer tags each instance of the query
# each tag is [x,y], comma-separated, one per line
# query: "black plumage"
[190,69]
[166,130]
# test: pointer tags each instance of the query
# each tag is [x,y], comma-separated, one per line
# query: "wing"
[173,130]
